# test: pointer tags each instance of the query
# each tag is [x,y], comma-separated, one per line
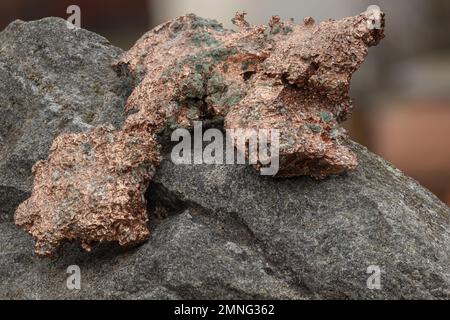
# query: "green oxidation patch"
[193,113]
[281,29]
[220,54]
[276,30]
[204,38]
[314,127]
[203,82]
[216,83]
[194,86]
[223,94]
[199,23]
[201,62]
[325,116]
[287,30]
[202,67]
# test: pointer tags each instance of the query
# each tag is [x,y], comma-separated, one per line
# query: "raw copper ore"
[285,76]
[91,189]
[294,78]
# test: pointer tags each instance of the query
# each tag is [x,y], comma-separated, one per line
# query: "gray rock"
[52,80]
[183,259]
[323,235]
[225,232]
[217,231]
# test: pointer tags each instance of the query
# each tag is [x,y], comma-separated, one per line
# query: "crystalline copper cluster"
[285,76]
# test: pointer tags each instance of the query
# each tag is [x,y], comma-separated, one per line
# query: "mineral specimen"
[294,78]
[53,80]
[91,188]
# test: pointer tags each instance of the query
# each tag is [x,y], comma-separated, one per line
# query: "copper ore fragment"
[284,76]
[294,78]
[90,188]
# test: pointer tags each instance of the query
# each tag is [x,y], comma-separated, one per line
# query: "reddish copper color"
[90,188]
[294,78]
[284,76]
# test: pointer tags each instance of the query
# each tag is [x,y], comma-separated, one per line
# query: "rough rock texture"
[52,80]
[226,232]
[293,78]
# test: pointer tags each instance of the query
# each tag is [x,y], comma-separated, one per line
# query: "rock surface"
[52,80]
[225,231]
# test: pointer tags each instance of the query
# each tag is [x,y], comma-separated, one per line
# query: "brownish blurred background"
[401,93]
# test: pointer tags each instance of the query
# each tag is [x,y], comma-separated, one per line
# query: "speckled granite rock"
[52,80]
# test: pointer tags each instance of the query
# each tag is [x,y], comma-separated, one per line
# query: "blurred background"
[401,92]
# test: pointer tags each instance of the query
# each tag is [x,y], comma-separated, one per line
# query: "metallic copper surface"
[285,76]
[91,189]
